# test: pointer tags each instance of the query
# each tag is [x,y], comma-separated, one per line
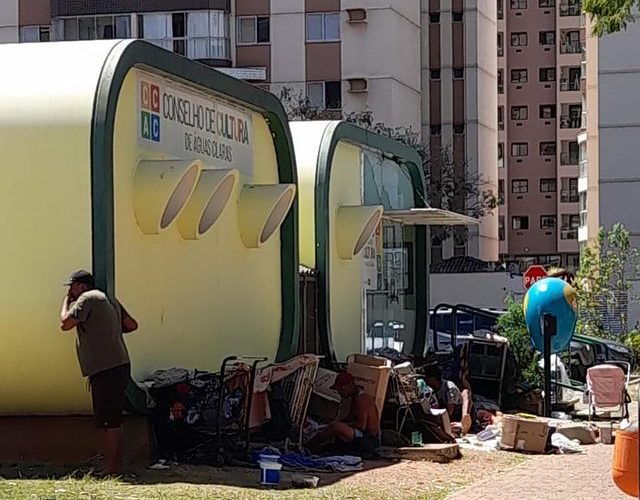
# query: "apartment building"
[428,65]
[539,117]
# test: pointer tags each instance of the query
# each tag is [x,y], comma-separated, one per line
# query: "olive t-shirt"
[100,345]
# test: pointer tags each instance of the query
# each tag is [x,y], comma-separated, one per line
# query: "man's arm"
[362,413]
[128,323]
[67,321]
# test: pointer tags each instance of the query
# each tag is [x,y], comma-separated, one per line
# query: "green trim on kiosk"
[130,54]
[333,134]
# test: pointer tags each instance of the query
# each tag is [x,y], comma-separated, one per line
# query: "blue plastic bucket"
[269,470]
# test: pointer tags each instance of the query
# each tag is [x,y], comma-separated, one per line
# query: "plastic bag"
[565,445]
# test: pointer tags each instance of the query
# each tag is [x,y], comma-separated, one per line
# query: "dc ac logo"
[150,117]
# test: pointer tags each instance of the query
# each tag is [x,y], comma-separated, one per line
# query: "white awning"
[429,217]
[258,74]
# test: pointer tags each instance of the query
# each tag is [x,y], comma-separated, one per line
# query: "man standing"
[103,357]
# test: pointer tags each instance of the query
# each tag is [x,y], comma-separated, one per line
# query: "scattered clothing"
[300,462]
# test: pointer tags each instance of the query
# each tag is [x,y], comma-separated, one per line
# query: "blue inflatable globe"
[551,296]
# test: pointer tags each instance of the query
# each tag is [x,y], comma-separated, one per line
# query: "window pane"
[198,24]
[332,27]
[156,30]
[315,94]
[247,30]
[314,26]
[105,28]
[217,24]
[123,27]
[87,28]
[71,29]
[29,34]
[178,25]
[263,30]
[333,95]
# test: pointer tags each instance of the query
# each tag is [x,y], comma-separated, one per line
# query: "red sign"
[533,274]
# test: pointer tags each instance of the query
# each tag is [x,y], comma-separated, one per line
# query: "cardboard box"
[372,374]
[523,434]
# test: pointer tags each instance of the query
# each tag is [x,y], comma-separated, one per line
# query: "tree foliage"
[513,326]
[449,185]
[610,16]
[604,284]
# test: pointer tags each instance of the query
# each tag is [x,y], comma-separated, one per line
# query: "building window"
[547,221]
[569,191]
[546,3]
[570,78]
[571,116]
[520,222]
[501,192]
[500,44]
[518,4]
[434,17]
[435,129]
[501,230]
[501,155]
[253,30]
[500,81]
[500,9]
[570,154]
[548,185]
[548,149]
[30,34]
[458,129]
[501,117]
[457,17]
[547,74]
[92,27]
[323,27]
[519,76]
[519,39]
[547,38]
[570,42]
[570,224]
[519,186]
[458,73]
[195,34]
[519,149]
[547,111]
[435,74]
[570,8]
[325,95]
[519,112]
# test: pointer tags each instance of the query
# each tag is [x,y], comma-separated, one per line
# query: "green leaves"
[609,16]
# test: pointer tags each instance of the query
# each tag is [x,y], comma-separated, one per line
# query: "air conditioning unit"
[357,15]
[358,85]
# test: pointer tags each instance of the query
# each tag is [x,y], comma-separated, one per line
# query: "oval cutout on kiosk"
[355,225]
[262,210]
[209,199]
[162,189]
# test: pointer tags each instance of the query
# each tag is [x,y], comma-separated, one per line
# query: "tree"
[604,284]
[449,185]
[610,16]
[513,326]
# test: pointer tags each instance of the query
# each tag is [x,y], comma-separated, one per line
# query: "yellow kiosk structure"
[173,183]
[364,227]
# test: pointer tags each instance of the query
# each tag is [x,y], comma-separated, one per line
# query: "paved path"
[552,477]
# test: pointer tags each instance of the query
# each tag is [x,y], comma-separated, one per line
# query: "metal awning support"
[429,217]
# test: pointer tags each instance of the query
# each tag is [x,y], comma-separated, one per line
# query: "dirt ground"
[478,475]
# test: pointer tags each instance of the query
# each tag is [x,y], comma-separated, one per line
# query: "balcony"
[570,8]
[567,158]
[571,46]
[569,85]
[569,195]
[583,169]
[205,47]
[568,234]
[568,121]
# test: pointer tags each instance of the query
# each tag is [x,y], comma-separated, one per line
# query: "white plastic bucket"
[270,470]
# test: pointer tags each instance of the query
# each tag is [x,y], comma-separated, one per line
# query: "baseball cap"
[80,276]
[344,378]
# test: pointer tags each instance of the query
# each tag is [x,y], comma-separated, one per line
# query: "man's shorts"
[108,394]
[364,441]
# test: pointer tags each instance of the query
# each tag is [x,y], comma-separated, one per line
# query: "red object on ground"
[533,274]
